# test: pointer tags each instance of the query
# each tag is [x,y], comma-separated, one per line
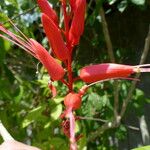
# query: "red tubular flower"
[77,25]
[46,8]
[55,70]
[104,71]
[72,101]
[54,36]
[31,46]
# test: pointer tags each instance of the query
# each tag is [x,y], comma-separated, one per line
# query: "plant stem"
[112,58]
[70,76]
[69,61]
[66,21]
[102,129]
[91,118]
[25,12]
[107,36]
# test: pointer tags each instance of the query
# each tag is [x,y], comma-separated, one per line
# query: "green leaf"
[4,46]
[142,148]
[59,142]
[12,2]
[139,101]
[58,100]
[56,112]
[138,2]
[95,100]
[33,115]
[20,94]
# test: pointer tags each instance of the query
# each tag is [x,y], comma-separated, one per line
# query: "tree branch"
[112,58]
[142,60]
[107,36]
[102,129]
[25,12]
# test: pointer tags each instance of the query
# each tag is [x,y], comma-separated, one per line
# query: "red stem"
[70,76]
[64,82]
[66,19]
[69,61]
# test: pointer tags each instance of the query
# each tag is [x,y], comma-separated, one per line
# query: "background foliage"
[26,107]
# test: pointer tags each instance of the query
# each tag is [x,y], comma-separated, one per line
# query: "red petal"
[54,69]
[77,25]
[55,38]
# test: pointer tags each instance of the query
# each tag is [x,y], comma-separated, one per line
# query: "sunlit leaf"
[142,148]
[56,112]
[138,2]
[32,116]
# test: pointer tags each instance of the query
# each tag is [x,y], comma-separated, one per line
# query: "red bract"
[104,71]
[46,8]
[55,38]
[72,101]
[55,70]
[77,25]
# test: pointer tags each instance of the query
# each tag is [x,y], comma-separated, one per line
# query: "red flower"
[31,46]
[72,101]
[77,25]
[55,70]
[104,71]
[55,38]
[46,8]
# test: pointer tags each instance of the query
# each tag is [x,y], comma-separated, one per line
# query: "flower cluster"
[62,42]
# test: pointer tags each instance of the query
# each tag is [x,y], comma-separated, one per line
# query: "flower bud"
[104,71]
[77,25]
[46,8]
[55,39]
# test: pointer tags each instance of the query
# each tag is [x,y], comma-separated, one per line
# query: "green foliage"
[142,148]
